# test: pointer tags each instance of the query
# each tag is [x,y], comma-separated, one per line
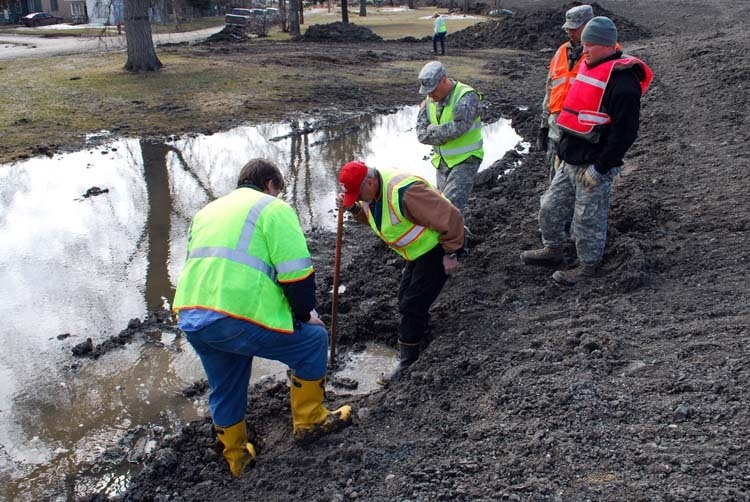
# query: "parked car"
[273,13]
[40,19]
[247,17]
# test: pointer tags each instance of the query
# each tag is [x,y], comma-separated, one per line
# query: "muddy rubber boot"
[408,354]
[237,451]
[575,275]
[545,256]
[310,418]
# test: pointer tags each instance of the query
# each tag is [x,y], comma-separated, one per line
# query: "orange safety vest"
[581,111]
[561,78]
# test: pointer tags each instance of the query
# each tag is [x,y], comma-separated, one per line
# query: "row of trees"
[142,55]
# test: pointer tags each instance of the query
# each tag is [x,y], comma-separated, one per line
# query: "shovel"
[335,302]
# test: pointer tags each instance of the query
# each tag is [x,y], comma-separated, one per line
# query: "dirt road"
[632,386]
[30,46]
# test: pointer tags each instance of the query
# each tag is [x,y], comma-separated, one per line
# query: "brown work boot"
[545,256]
[575,275]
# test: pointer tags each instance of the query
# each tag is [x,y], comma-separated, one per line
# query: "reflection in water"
[85,266]
[157,222]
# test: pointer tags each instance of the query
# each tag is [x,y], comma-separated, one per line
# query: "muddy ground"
[632,386]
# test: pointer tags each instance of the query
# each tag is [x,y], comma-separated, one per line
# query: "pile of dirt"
[535,30]
[338,32]
[231,34]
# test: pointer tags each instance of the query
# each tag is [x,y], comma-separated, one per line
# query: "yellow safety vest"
[403,236]
[468,144]
[241,247]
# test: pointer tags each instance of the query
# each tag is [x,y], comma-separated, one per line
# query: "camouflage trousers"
[553,139]
[565,199]
[456,182]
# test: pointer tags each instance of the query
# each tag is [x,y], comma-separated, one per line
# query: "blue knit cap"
[600,31]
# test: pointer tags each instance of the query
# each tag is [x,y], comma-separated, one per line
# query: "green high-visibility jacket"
[468,144]
[241,247]
[403,236]
[440,26]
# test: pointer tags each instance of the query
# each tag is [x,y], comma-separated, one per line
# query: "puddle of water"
[365,367]
[83,261]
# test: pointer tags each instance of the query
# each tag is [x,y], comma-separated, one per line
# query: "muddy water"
[95,238]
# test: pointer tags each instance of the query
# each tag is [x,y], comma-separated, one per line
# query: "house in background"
[70,10]
[106,12]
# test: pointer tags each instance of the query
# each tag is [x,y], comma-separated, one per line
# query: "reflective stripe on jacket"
[403,236]
[241,247]
[468,144]
[581,112]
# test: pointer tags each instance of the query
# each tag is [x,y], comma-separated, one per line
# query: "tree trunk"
[141,52]
[344,12]
[411,4]
[363,8]
[466,6]
[301,12]
[282,16]
[294,17]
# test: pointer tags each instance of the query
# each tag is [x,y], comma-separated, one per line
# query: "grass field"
[55,101]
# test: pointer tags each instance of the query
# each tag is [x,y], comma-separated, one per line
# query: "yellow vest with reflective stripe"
[440,26]
[404,237]
[468,144]
[241,247]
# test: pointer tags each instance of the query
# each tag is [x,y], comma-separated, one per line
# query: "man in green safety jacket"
[419,224]
[248,289]
[449,120]
[439,33]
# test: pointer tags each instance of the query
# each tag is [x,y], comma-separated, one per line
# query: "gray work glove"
[589,178]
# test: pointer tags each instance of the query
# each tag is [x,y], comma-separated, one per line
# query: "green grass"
[57,100]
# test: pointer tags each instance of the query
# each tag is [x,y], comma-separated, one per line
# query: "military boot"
[237,451]
[310,418]
[545,256]
[409,352]
[575,275]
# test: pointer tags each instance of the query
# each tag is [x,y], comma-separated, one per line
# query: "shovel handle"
[335,302]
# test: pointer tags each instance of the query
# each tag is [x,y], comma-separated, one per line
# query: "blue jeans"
[439,37]
[226,349]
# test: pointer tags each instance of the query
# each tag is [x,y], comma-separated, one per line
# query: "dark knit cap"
[600,31]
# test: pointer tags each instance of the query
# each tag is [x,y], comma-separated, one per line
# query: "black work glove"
[541,140]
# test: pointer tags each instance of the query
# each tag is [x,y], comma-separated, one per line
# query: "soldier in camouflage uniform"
[599,123]
[563,69]
[449,120]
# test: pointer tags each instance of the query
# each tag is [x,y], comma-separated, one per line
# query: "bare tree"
[344,12]
[466,6]
[282,16]
[410,4]
[294,17]
[363,8]
[141,52]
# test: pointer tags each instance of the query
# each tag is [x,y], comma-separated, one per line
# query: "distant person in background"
[599,122]
[563,69]
[439,33]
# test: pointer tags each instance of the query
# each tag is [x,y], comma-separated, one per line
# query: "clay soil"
[631,386]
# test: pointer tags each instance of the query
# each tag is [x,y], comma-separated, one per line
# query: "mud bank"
[631,386]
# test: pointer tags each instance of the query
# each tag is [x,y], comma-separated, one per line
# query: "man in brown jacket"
[419,224]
